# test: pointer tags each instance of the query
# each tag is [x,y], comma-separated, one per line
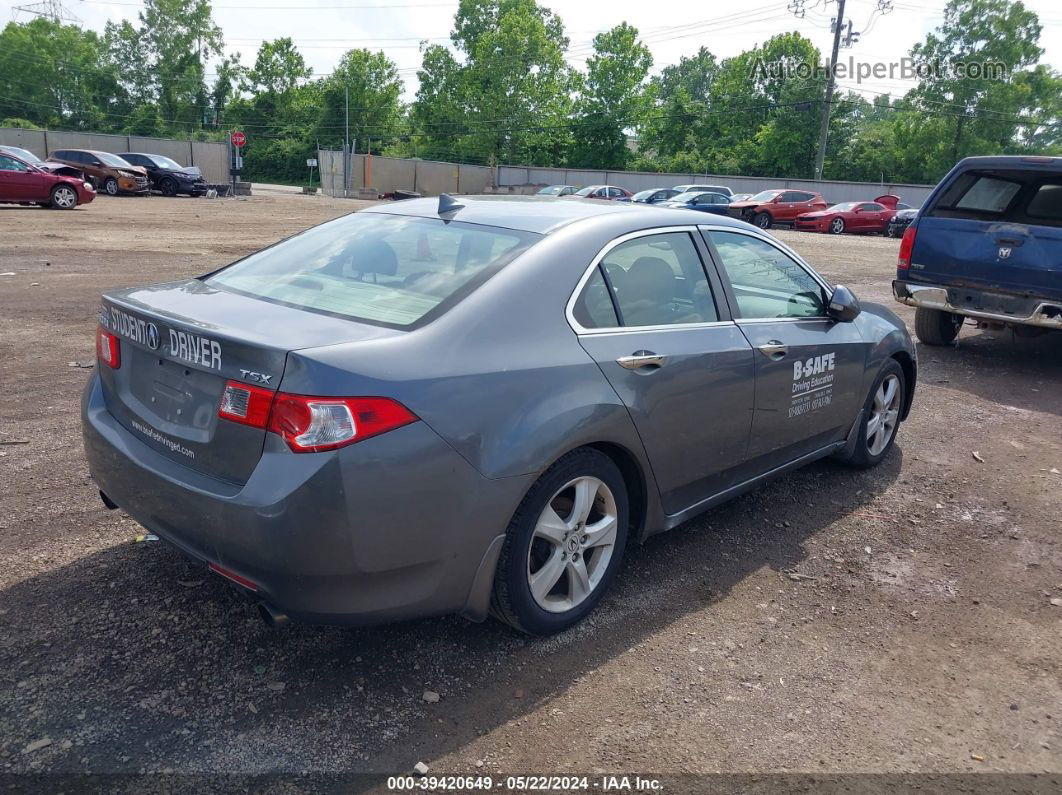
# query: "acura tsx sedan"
[475,405]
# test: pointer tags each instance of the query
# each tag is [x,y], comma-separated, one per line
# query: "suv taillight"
[903,262]
[108,349]
[312,424]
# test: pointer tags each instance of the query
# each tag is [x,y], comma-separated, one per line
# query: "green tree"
[613,98]
[55,75]
[375,92]
[181,36]
[982,108]
[512,89]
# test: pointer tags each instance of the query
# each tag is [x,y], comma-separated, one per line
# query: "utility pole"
[831,84]
[346,141]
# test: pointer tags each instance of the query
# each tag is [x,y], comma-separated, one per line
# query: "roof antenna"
[448,204]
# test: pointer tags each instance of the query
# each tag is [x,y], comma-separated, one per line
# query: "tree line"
[505,93]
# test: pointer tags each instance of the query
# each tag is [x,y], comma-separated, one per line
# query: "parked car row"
[70,177]
[803,210]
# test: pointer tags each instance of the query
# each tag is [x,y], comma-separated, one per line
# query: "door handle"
[774,350]
[640,359]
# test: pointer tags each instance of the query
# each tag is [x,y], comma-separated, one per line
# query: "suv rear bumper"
[1044,314]
[397,526]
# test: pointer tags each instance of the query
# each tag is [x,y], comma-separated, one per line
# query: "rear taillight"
[108,349]
[312,424]
[903,262]
[246,404]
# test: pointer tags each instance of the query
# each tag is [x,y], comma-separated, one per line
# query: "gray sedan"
[473,406]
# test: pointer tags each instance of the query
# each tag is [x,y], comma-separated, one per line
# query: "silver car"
[473,406]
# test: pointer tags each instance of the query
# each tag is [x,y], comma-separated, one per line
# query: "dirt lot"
[927,635]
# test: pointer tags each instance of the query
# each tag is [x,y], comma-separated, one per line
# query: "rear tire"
[763,220]
[563,545]
[936,327]
[881,417]
[64,197]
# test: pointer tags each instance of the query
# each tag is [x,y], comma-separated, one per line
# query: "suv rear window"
[1046,203]
[389,270]
[1028,196]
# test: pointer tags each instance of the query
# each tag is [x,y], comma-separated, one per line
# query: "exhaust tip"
[107,501]
[272,617]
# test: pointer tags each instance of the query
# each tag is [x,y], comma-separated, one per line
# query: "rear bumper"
[398,526]
[1043,314]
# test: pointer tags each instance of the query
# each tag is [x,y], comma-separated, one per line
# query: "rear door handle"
[774,350]
[640,359]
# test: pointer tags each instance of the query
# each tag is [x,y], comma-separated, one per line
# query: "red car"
[780,206]
[862,217]
[608,192]
[24,183]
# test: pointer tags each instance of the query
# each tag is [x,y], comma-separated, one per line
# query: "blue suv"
[986,245]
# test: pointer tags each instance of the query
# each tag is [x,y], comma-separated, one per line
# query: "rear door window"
[390,270]
[658,280]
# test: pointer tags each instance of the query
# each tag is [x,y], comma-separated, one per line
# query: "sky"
[324,29]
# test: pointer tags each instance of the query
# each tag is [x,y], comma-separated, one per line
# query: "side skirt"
[673,520]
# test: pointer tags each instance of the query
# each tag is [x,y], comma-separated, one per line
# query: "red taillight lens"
[314,424]
[903,262]
[245,403]
[108,349]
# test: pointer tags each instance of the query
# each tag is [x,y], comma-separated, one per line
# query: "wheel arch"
[635,480]
[910,376]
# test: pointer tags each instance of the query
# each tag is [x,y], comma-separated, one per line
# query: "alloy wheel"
[884,415]
[572,544]
[111,186]
[837,226]
[65,198]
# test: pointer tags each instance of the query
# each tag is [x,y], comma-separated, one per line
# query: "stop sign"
[238,139]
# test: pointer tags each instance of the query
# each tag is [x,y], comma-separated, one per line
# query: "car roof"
[545,214]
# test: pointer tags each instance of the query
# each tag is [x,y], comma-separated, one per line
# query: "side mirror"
[844,306]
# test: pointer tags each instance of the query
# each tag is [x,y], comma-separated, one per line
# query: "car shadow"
[1025,372]
[141,660]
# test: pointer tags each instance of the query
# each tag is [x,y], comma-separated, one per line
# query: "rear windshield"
[1030,197]
[388,270]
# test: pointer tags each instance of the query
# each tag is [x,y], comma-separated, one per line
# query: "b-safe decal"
[812,384]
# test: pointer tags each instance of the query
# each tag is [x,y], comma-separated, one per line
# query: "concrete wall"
[432,178]
[212,158]
[390,174]
[525,179]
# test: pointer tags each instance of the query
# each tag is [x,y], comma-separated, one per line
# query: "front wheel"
[563,545]
[881,417]
[168,187]
[763,220]
[110,186]
[836,226]
[936,327]
[64,197]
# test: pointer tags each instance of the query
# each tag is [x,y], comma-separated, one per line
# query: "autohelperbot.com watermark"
[903,69]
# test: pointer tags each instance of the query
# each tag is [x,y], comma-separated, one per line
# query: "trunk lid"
[180,343]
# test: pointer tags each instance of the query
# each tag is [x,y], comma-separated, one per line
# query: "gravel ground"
[903,619]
